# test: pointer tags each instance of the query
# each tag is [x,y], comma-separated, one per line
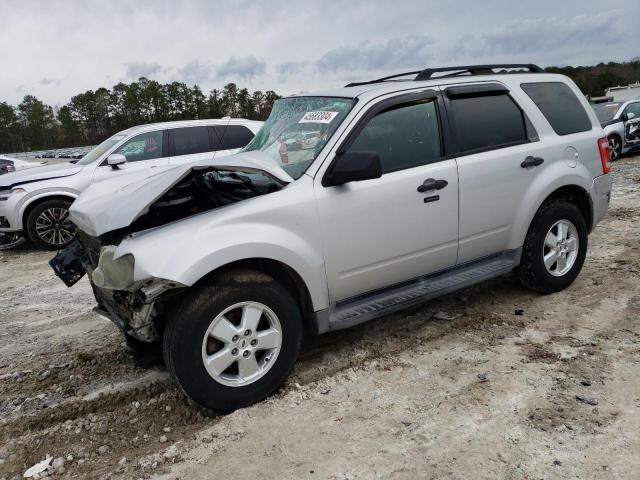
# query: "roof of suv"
[372,90]
[252,124]
[506,74]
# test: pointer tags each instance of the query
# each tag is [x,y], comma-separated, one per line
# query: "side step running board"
[382,302]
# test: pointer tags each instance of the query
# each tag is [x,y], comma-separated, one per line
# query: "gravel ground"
[491,382]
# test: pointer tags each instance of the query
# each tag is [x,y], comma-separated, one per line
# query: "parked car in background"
[396,192]
[10,164]
[621,123]
[35,203]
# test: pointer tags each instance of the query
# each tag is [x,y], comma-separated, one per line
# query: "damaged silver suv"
[347,205]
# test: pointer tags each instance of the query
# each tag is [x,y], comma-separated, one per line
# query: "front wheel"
[233,342]
[48,225]
[554,249]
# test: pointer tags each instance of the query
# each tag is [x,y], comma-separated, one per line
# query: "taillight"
[605,154]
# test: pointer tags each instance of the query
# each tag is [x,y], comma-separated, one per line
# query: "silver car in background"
[34,203]
[621,123]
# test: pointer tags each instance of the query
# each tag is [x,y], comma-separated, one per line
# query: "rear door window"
[190,140]
[559,105]
[233,136]
[486,122]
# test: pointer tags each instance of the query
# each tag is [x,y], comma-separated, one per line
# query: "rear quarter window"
[559,105]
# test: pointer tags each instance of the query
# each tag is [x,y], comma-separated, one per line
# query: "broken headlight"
[113,274]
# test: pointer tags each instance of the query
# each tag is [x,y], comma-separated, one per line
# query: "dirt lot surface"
[491,382]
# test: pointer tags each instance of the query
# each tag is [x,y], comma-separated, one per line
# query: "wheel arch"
[576,195]
[279,271]
[34,202]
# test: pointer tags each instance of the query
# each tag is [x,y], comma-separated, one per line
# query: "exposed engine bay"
[203,190]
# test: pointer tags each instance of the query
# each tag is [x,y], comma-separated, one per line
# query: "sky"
[56,49]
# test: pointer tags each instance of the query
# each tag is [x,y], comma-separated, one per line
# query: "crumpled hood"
[35,174]
[116,203]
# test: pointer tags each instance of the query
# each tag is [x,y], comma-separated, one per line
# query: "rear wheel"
[48,224]
[233,342]
[615,143]
[555,248]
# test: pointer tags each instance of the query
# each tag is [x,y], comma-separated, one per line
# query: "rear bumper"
[601,196]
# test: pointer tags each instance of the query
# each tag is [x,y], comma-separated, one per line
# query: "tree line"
[92,116]
[594,80]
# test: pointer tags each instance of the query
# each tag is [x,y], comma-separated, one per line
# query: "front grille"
[4,222]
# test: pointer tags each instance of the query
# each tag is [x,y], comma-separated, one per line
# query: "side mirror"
[630,115]
[354,167]
[116,159]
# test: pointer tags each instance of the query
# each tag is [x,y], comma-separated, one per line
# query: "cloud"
[195,72]
[50,81]
[245,68]
[541,35]
[287,69]
[412,51]
[135,70]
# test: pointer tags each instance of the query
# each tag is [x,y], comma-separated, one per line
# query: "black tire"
[532,272]
[615,142]
[62,228]
[186,328]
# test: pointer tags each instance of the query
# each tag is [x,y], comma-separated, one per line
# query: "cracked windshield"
[297,130]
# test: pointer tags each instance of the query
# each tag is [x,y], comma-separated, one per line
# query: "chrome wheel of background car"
[10,240]
[560,248]
[242,344]
[614,144]
[54,227]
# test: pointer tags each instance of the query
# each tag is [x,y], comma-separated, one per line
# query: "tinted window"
[190,140]
[5,162]
[146,146]
[404,136]
[559,105]
[233,136]
[486,122]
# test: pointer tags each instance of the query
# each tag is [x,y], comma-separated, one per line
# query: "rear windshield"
[559,105]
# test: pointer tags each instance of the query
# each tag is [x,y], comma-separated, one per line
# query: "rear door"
[499,156]
[190,144]
[380,232]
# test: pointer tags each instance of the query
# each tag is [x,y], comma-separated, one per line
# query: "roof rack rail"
[488,69]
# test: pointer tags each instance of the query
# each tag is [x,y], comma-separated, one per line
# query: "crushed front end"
[137,308]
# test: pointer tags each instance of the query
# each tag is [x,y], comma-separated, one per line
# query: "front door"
[381,232]
[143,152]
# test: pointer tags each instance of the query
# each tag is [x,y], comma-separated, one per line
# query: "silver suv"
[347,205]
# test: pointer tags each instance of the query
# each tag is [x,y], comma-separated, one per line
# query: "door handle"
[532,162]
[432,184]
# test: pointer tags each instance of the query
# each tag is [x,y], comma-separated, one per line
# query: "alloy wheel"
[54,227]
[241,344]
[560,248]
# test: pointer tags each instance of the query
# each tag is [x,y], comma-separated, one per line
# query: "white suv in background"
[348,204]
[35,202]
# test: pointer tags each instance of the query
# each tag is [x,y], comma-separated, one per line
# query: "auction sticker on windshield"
[321,116]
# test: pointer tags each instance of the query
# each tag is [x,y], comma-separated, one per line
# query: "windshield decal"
[321,116]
